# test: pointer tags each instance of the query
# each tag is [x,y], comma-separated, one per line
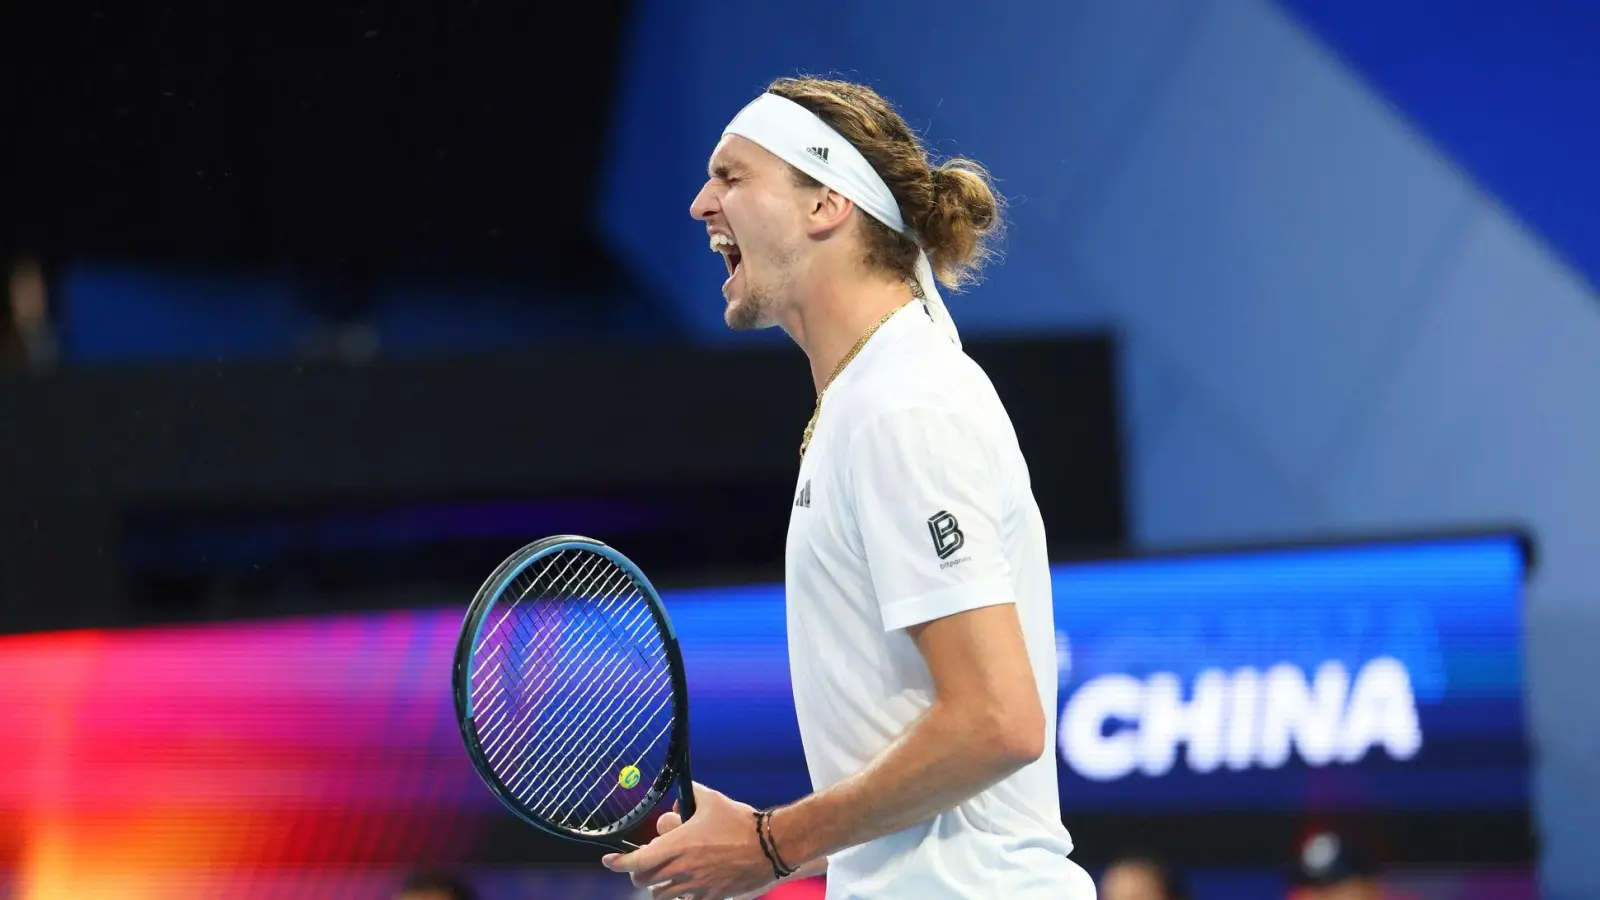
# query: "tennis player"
[921,634]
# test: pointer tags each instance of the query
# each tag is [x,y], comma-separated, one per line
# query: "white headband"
[793,134]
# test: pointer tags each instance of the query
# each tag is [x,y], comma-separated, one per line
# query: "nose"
[705,203]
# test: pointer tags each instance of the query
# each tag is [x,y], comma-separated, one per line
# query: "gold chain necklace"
[805,439]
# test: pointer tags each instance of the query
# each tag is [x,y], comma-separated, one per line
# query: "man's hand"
[672,820]
[713,856]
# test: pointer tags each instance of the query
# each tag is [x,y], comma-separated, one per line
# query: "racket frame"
[677,764]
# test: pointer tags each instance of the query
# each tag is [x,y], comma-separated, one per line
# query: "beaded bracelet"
[780,870]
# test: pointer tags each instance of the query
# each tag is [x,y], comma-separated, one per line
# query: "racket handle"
[685,798]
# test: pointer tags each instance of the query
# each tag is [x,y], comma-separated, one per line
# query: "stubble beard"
[758,308]
[751,313]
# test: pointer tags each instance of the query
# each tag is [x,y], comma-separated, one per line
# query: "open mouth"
[725,245]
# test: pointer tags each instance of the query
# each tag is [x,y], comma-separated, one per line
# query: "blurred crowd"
[27,338]
[1328,866]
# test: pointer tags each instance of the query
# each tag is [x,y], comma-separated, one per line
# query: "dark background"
[352,147]
[459,137]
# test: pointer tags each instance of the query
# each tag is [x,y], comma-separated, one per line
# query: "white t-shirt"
[913,503]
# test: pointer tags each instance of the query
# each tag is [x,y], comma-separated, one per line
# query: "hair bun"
[963,215]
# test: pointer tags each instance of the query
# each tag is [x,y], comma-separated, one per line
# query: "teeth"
[720,242]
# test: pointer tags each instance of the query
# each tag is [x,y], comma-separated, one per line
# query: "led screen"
[1368,677]
[1352,677]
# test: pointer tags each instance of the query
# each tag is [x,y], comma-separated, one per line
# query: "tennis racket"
[570,692]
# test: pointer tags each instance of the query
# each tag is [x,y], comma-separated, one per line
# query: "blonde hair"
[952,208]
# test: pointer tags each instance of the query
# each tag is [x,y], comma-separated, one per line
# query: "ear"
[827,210]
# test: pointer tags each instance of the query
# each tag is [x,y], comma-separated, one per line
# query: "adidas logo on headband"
[819,152]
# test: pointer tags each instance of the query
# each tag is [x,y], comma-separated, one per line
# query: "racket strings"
[493,653]
[596,693]
[518,696]
[618,698]
[602,726]
[571,686]
[523,701]
[487,651]
[567,797]
[619,808]
[619,734]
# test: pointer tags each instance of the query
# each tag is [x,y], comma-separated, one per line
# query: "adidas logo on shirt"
[804,499]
